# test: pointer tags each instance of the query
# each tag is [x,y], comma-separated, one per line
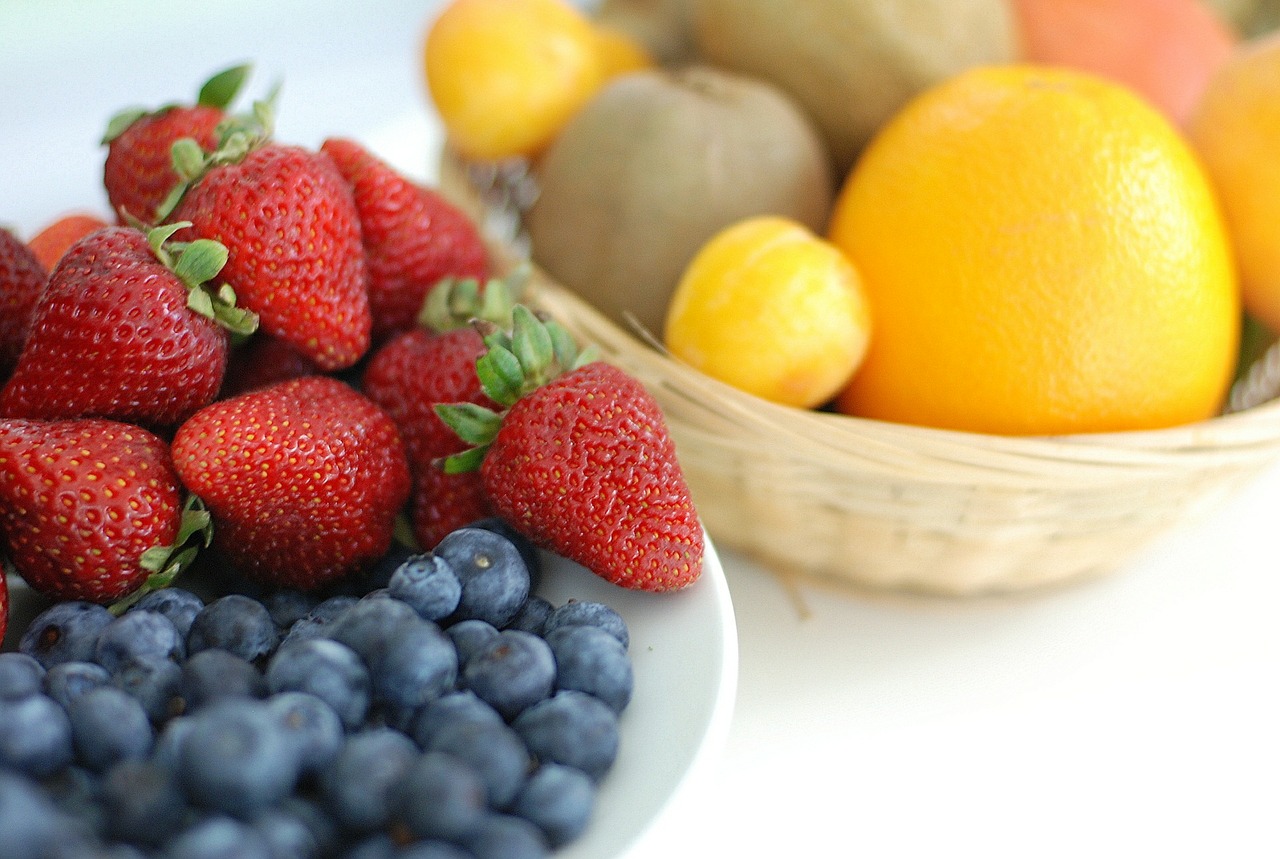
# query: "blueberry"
[432,849]
[469,636]
[216,673]
[142,803]
[138,636]
[236,759]
[591,660]
[358,785]
[310,725]
[532,616]
[366,626]
[219,837]
[35,736]
[179,605]
[494,751]
[588,613]
[108,726]
[29,821]
[20,676]
[235,623]
[461,707]
[64,632]
[441,796]
[528,551]
[287,835]
[502,836]
[329,610]
[157,686]
[418,664]
[66,681]
[571,728]
[513,671]
[327,669]
[559,800]
[374,845]
[289,606]
[427,583]
[495,579]
[75,791]
[167,750]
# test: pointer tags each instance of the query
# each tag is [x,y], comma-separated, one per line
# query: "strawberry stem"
[164,563]
[197,263]
[221,89]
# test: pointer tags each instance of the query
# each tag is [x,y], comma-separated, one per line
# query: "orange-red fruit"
[53,240]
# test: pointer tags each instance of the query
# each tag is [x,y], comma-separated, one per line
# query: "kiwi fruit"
[853,63]
[652,167]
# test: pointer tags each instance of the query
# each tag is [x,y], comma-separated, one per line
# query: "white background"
[1132,716]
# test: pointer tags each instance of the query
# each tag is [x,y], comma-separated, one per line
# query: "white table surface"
[1136,715]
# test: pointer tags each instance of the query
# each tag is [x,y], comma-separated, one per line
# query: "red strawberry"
[22,279]
[125,330]
[138,173]
[413,237]
[582,464]
[90,509]
[263,361]
[292,235]
[419,369]
[304,479]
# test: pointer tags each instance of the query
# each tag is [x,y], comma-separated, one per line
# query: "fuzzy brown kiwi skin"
[656,164]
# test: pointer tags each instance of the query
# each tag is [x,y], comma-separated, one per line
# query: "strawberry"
[419,369]
[304,479]
[92,509]
[292,234]
[126,329]
[55,238]
[262,361]
[138,173]
[580,461]
[413,237]
[22,279]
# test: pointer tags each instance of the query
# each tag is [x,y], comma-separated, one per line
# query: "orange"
[1043,255]
[1236,130]
[620,53]
[772,309]
[1166,50]
[505,75]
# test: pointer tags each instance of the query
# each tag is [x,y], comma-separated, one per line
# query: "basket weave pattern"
[891,506]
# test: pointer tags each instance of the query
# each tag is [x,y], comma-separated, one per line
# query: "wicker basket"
[891,506]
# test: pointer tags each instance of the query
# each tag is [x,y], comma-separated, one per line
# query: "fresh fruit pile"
[1019,265]
[288,381]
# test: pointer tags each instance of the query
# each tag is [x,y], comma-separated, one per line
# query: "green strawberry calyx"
[218,91]
[454,303]
[196,264]
[533,352]
[164,563]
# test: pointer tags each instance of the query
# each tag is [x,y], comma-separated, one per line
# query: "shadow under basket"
[878,505]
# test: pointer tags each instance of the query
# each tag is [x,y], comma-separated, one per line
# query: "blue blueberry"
[167,749]
[532,616]
[142,803]
[367,626]
[289,606]
[327,669]
[235,623]
[157,686]
[358,785]
[373,845]
[440,796]
[35,736]
[332,608]
[495,579]
[287,835]
[571,728]
[432,849]
[107,726]
[29,821]
[589,613]
[219,837]
[75,791]
[460,707]
[418,664]
[310,725]
[138,636]
[503,836]
[20,675]
[559,800]
[470,636]
[529,552]
[494,751]
[513,671]
[427,583]
[66,681]
[65,632]
[589,659]
[236,759]
[178,604]
[215,673]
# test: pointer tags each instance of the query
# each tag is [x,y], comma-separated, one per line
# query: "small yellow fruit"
[772,309]
[620,53]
